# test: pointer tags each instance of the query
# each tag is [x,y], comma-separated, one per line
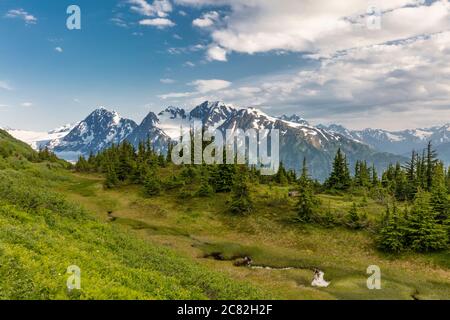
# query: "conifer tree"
[82,165]
[111,177]
[340,175]
[152,185]
[392,234]
[411,176]
[281,176]
[431,162]
[307,202]
[353,218]
[424,233]
[375,181]
[205,189]
[439,198]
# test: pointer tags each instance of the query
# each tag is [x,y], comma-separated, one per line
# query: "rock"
[318,280]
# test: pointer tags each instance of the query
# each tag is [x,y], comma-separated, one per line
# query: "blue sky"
[135,56]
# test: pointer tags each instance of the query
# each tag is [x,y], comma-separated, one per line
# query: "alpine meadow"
[264,151]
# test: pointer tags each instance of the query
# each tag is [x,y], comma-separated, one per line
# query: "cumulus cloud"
[27,104]
[59,49]
[399,85]
[216,53]
[201,87]
[204,86]
[22,14]
[321,26]
[160,8]
[157,22]
[206,20]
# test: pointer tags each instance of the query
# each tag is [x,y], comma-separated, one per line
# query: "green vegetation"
[143,228]
[42,234]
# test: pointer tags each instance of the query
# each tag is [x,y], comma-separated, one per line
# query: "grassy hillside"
[10,146]
[42,234]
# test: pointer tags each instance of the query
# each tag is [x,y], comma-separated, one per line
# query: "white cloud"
[318,26]
[159,8]
[5,86]
[157,22]
[201,87]
[189,64]
[27,104]
[176,95]
[118,21]
[59,49]
[22,14]
[216,53]
[395,85]
[204,86]
[167,81]
[207,20]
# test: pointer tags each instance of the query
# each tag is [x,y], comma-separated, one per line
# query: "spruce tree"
[205,189]
[340,174]
[431,162]
[424,233]
[241,202]
[307,202]
[152,185]
[111,177]
[281,176]
[392,234]
[353,218]
[439,201]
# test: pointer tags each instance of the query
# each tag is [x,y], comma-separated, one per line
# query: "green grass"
[201,229]
[42,233]
[131,247]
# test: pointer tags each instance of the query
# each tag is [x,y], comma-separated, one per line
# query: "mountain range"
[400,142]
[298,138]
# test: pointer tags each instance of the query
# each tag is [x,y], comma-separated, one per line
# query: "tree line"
[422,183]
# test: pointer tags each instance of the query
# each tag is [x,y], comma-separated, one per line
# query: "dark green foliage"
[152,185]
[354,219]
[241,202]
[340,175]
[111,179]
[391,236]
[205,189]
[222,177]
[439,201]
[307,202]
[423,232]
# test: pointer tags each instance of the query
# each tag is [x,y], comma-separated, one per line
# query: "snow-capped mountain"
[212,114]
[294,118]
[397,142]
[175,121]
[98,131]
[299,140]
[148,129]
[37,139]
